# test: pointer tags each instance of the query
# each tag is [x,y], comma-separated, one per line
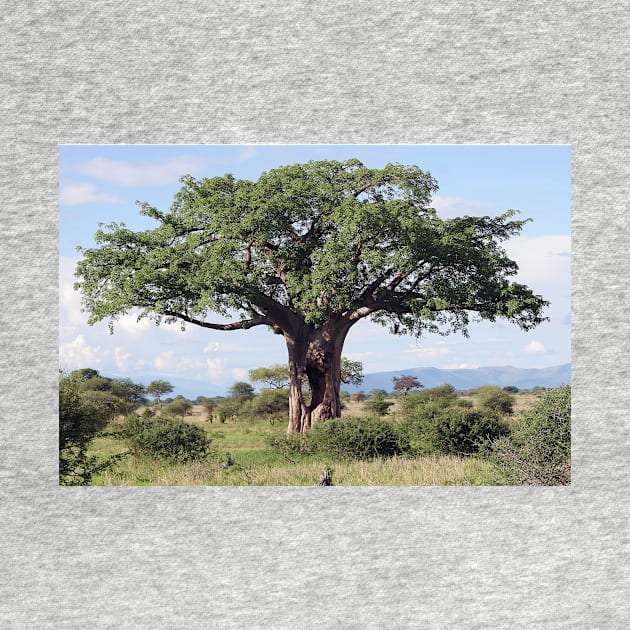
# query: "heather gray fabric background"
[330,72]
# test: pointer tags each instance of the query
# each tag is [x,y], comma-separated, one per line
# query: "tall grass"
[395,471]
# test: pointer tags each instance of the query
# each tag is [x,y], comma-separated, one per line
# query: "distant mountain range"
[428,376]
[471,378]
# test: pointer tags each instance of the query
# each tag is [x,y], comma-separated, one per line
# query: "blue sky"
[101,183]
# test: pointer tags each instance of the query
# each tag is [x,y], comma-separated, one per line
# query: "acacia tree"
[158,389]
[405,383]
[309,250]
[277,376]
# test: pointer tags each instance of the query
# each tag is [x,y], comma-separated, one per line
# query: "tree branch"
[240,325]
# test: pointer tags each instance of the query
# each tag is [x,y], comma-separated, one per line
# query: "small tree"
[241,390]
[358,396]
[377,404]
[351,372]
[210,406]
[165,438]
[80,422]
[275,376]
[539,450]
[179,407]
[271,403]
[495,399]
[158,389]
[406,383]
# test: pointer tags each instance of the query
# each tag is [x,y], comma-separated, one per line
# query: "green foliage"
[231,408]
[210,406]
[158,388]
[179,407]
[270,403]
[511,389]
[241,390]
[495,399]
[276,376]
[80,421]
[351,371]
[437,421]
[165,438]
[114,396]
[311,237]
[355,438]
[358,396]
[292,447]
[406,383]
[452,430]
[377,404]
[440,397]
[539,451]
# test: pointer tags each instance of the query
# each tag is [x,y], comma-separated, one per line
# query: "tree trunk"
[299,413]
[316,354]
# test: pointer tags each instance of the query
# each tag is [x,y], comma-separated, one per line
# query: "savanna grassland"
[256,452]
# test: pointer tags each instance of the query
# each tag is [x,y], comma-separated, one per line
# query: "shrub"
[449,427]
[377,404]
[355,438]
[436,397]
[539,449]
[80,421]
[291,446]
[495,399]
[165,438]
[462,431]
[270,403]
[231,409]
[179,407]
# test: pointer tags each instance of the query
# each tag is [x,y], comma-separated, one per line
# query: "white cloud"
[77,194]
[176,328]
[535,347]
[121,358]
[239,373]
[215,367]
[121,173]
[163,361]
[69,300]
[430,353]
[449,207]
[542,260]
[78,354]
[213,346]
[130,325]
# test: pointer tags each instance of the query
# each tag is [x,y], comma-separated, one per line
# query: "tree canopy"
[309,250]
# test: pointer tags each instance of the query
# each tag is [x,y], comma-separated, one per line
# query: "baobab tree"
[309,250]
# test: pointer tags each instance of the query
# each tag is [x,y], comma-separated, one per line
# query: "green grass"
[242,457]
[250,469]
[253,463]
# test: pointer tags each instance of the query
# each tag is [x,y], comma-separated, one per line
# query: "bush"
[539,450]
[377,404]
[460,431]
[80,421]
[179,407]
[493,398]
[435,398]
[355,438]
[291,446]
[165,438]
[437,421]
[270,403]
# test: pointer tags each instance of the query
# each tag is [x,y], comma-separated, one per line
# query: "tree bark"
[316,355]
